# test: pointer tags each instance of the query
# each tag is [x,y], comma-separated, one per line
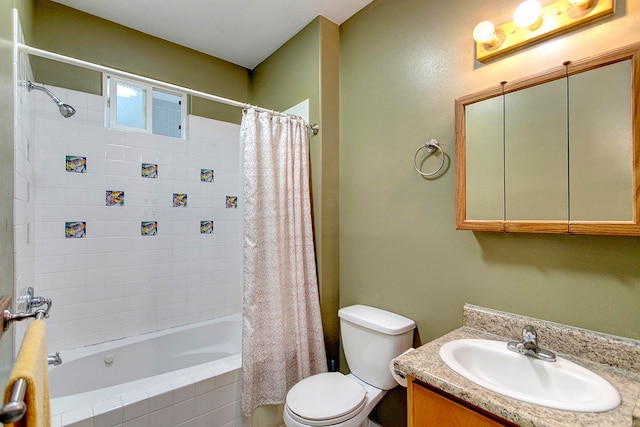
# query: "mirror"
[556,152]
[535,134]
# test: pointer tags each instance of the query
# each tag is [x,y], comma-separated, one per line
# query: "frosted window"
[131,109]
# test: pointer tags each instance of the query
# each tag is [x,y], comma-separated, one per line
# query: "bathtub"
[184,376]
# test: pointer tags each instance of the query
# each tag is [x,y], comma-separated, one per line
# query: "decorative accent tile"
[232,202]
[206,227]
[77,164]
[149,228]
[149,170]
[179,200]
[114,198]
[206,175]
[75,230]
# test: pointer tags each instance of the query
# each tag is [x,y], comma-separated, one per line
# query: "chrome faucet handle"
[529,337]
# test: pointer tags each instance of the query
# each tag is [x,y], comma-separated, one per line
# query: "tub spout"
[54,359]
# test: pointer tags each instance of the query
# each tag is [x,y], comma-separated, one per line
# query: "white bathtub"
[185,376]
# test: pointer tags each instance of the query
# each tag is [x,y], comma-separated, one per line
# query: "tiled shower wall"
[123,252]
[23,178]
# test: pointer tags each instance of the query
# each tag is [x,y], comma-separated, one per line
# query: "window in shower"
[140,107]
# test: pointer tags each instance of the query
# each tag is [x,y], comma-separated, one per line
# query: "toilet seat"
[325,399]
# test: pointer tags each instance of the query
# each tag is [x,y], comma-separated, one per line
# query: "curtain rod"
[96,67]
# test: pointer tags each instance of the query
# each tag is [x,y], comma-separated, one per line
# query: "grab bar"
[15,409]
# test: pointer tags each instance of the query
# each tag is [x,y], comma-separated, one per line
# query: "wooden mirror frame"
[620,228]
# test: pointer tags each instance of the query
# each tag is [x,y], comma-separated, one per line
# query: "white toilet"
[371,338]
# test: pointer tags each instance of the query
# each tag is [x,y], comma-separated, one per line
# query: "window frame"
[111,108]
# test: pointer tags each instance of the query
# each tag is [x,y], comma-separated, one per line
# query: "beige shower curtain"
[282,339]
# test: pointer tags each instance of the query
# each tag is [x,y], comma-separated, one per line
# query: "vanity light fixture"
[532,23]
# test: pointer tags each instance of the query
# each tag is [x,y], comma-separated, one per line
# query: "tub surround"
[197,381]
[614,358]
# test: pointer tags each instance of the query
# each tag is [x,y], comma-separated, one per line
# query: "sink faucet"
[529,345]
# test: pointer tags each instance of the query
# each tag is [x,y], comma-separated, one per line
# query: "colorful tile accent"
[77,164]
[149,228]
[179,200]
[75,230]
[206,175]
[114,198]
[206,227]
[232,202]
[149,170]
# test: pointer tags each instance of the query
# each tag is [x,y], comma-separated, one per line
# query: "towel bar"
[431,147]
[8,317]
[15,409]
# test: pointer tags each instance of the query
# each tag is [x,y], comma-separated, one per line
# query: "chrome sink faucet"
[529,345]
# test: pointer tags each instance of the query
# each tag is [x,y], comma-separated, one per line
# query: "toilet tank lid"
[377,319]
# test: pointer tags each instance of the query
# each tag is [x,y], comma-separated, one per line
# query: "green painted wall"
[96,40]
[306,67]
[402,64]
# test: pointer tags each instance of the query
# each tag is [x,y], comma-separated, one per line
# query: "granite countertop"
[614,358]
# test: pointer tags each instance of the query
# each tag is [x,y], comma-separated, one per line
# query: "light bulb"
[581,4]
[528,15]
[485,32]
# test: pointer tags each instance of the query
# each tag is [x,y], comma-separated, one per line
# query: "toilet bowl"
[371,338]
[331,399]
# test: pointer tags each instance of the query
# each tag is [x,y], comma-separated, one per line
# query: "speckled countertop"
[614,358]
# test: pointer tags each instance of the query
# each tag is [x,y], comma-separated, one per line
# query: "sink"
[561,384]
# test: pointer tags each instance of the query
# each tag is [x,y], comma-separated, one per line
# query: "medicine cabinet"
[556,152]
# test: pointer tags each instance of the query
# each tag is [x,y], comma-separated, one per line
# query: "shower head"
[65,109]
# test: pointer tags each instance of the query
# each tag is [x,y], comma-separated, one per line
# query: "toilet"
[371,338]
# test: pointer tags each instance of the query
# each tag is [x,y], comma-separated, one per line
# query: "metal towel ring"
[431,146]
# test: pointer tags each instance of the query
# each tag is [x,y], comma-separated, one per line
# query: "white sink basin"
[561,384]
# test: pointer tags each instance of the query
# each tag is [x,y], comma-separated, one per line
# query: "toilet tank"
[371,338]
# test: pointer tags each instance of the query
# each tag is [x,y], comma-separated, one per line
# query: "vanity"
[439,396]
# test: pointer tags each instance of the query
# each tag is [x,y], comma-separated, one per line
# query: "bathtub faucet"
[54,359]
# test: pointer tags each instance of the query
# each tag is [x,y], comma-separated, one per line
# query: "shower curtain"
[282,338]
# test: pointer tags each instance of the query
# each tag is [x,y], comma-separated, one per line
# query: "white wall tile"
[114,266]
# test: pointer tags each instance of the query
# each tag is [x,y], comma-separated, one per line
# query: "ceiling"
[244,32]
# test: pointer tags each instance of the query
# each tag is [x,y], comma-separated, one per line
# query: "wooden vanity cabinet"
[428,406]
